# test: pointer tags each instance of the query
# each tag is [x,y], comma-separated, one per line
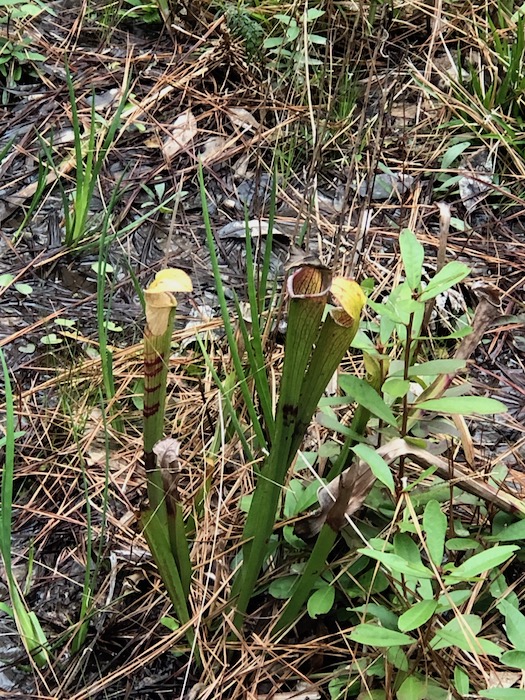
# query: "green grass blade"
[230,335]
[263,277]
[90,577]
[29,628]
[43,171]
[226,390]
[106,356]
[253,347]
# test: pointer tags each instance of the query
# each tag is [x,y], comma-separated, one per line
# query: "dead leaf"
[213,148]
[243,119]
[237,229]
[167,452]
[340,499]
[404,113]
[343,496]
[477,178]
[447,70]
[153,142]
[503,679]
[302,691]
[383,185]
[183,132]
[104,99]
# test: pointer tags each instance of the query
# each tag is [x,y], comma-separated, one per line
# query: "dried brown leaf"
[215,149]
[167,452]
[477,178]
[183,132]
[243,119]
[346,494]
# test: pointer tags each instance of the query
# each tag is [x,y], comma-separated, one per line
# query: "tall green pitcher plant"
[315,345]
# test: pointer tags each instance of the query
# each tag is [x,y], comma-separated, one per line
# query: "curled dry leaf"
[167,452]
[503,679]
[342,497]
[257,228]
[447,70]
[183,131]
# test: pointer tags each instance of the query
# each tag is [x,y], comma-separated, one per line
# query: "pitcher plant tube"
[313,350]
[163,522]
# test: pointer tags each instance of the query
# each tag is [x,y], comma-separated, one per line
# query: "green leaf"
[457,598]
[412,253]
[460,544]
[464,405]
[102,267]
[366,396]
[281,588]
[514,624]
[170,622]
[397,657]
[456,628]
[374,635]
[398,565]
[51,339]
[314,13]
[396,387]
[458,224]
[292,32]
[112,326]
[34,56]
[412,688]
[285,19]
[386,617]
[503,694]
[417,615]
[321,601]
[479,563]
[65,322]
[407,549]
[514,659]
[6,279]
[273,42]
[435,367]
[461,681]
[293,494]
[377,464]
[22,288]
[447,277]
[27,348]
[7,609]
[510,533]
[461,633]
[453,153]
[435,526]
